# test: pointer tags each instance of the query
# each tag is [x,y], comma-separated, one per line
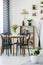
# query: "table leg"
[13,49]
[12,46]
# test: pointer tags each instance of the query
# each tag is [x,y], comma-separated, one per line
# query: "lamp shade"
[24,12]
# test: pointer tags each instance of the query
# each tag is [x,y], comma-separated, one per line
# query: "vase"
[13,33]
[34,59]
[23,23]
[29,24]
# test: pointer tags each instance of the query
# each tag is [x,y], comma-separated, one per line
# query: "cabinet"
[27,30]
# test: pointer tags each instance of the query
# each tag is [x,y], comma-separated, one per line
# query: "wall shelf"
[33,14]
[42,13]
[41,6]
[41,18]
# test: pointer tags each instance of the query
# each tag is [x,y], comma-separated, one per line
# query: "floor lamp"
[40,25]
[38,30]
[24,13]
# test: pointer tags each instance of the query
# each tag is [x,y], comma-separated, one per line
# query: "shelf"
[41,18]
[30,31]
[31,44]
[41,13]
[33,14]
[34,9]
[41,6]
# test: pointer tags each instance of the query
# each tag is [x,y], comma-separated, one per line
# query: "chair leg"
[6,49]
[28,51]
[2,48]
[23,51]
[10,49]
[20,49]
[16,49]
[1,51]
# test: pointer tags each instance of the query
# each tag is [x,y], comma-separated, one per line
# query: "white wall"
[16,7]
[1,16]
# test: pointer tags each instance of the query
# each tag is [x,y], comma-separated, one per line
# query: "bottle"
[23,23]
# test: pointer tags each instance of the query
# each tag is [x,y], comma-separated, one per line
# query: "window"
[1,16]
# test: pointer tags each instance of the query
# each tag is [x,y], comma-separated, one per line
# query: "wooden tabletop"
[11,36]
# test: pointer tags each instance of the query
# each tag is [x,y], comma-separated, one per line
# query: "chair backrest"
[4,40]
[25,33]
[7,39]
[27,38]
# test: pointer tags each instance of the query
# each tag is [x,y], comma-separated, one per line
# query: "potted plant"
[14,28]
[29,22]
[34,7]
[35,55]
[41,2]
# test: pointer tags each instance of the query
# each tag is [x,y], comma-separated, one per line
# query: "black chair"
[22,44]
[6,43]
[17,43]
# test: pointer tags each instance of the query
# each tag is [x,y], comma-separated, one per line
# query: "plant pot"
[41,2]
[41,5]
[29,24]
[34,7]
[34,59]
[13,33]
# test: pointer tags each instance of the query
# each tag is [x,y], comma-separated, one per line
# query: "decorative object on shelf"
[29,22]
[33,14]
[41,6]
[34,7]
[41,18]
[41,2]
[24,13]
[23,23]
[14,28]
[41,12]
[35,55]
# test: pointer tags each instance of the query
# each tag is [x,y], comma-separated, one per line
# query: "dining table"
[12,37]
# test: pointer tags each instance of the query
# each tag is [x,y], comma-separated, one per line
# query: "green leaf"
[14,28]
[29,20]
